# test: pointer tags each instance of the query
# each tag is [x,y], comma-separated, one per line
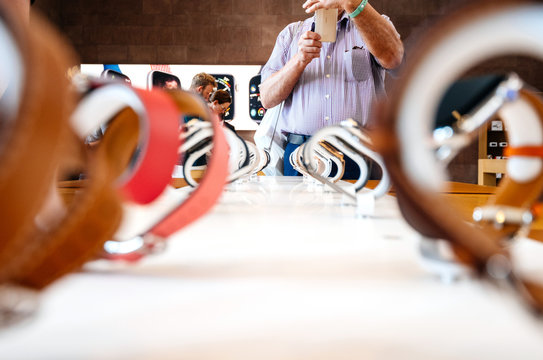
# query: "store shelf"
[488,168]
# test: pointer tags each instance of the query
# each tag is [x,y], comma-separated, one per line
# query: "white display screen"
[242,74]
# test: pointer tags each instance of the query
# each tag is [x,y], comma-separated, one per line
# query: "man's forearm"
[378,34]
[278,87]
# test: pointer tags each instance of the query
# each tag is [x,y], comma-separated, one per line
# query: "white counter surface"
[280,270]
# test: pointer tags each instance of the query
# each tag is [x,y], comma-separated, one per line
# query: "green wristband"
[359,9]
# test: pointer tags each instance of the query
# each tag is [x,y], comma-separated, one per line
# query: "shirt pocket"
[357,64]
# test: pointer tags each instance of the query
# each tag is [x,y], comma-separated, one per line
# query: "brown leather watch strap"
[479,245]
[93,216]
[125,128]
[91,220]
[31,146]
[35,256]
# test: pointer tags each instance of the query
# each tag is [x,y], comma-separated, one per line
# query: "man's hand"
[311,6]
[278,87]
[309,47]
[378,33]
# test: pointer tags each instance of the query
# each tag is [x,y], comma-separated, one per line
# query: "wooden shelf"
[487,170]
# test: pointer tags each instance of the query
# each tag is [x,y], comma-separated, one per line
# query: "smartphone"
[326,24]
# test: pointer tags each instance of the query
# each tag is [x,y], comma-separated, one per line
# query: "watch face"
[256,110]
[115,75]
[164,80]
[226,82]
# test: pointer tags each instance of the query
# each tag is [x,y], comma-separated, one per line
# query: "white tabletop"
[279,269]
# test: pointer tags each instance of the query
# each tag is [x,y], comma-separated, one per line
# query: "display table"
[280,269]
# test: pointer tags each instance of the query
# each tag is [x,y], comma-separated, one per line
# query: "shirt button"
[327,118]
[327,75]
[328,56]
[327,96]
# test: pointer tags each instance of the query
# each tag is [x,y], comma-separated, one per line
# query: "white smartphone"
[326,24]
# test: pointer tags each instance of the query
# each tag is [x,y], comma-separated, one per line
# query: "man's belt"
[297,139]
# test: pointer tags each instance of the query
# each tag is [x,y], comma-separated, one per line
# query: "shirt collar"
[345,19]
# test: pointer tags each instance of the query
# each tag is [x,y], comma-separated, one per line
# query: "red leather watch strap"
[159,154]
[150,173]
[209,189]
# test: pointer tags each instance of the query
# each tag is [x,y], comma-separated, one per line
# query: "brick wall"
[196,31]
[214,31]
[172,31]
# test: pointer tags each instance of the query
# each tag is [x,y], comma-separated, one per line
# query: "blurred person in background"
[203,84]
